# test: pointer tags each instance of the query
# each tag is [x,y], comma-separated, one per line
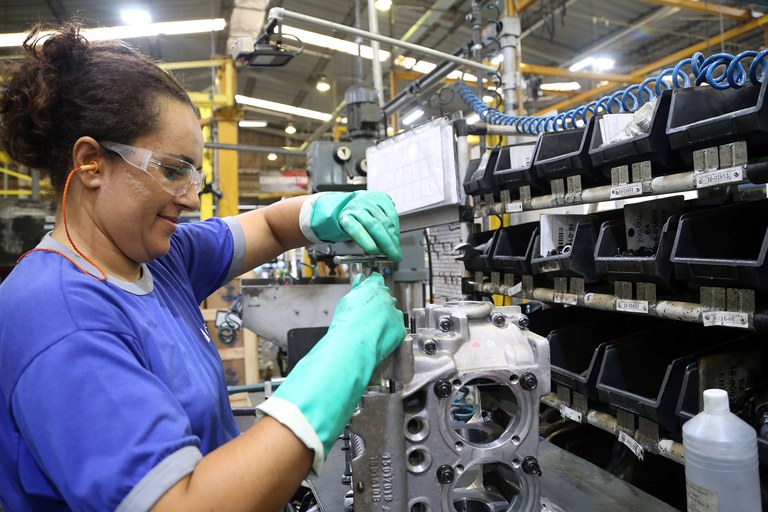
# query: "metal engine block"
[454,427]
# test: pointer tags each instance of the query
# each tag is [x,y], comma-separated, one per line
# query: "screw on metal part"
[528,381]
[346,480]
[430,347]
[531,466]
[522,322]
[565,249]
[443,388]
[361,486]
[445,324]
[445,474]
[498,319]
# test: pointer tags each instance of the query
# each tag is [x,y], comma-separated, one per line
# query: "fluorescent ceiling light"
[280,107]
[136,16]
[272,157]
[332,43]
[561,86]
[252,124]
[382,5]
[413,116]
[596,63]
[168,28]
[322,85]
[290,129]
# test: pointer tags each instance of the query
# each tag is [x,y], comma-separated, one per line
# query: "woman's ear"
[88,157]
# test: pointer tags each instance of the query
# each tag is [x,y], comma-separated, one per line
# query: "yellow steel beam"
[15,192]
[193,64]
[534,69]
[521,6]
[646,70]
[206,200]
[228,162]
[15,174]
[710,8]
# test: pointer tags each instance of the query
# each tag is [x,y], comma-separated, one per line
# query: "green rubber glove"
[318,397]
[366,217]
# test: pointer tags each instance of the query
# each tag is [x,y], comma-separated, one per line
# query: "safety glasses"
[173,174]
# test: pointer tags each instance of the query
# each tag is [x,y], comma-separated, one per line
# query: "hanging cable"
[720,71]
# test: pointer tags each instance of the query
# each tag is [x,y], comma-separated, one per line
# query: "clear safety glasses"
[173,174]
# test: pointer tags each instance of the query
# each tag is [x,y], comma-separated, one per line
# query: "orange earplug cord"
[90,167]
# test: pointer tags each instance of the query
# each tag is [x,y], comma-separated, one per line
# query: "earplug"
[93,166]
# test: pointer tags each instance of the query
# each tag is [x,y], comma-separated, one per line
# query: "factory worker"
[112,395]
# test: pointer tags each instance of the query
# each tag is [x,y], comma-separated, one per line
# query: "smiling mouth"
[174,220]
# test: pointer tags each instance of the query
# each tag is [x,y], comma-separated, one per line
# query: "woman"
[111,394]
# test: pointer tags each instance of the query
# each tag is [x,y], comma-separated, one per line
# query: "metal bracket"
[558,192]
[574,189]
[706,159]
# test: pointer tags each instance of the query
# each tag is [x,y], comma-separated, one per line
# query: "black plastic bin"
[702,117]
[512,177]
[644,373]
[479,180]
[566,153]
[652,146]
[579,261]
[723,246]
[655,268]
[478,256]
[513,250]
[576,352]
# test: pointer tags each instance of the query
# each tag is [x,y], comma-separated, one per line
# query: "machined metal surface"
[458,432]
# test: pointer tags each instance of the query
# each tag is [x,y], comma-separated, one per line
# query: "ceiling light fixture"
[136,16]
[382,5]
[252,124]
[561,86]
[413,115]
[281,107]
[290,129]
[322,85]
[168,28]
[596,63]
[272,157]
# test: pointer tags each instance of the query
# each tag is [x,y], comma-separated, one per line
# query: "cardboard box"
[224,296]
[234,372]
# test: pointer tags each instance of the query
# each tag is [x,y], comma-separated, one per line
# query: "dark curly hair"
[66,88]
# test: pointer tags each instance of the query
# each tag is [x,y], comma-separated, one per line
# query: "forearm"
[260,470]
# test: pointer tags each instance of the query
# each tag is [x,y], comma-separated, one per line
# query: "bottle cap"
[716,400]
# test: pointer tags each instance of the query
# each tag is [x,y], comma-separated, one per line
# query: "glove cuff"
[290,416]
[305,218]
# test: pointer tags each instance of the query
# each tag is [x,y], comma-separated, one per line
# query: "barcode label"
[632,306]
[628,190]
[630,443]
[725,319]
[718,177]
[566,298]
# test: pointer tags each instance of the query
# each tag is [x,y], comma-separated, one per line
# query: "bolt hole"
[516,463]
[415,426]
[514,379]
[459,446]
[416,458]
[420,506]
[516,439]
[456,383]
[459,468]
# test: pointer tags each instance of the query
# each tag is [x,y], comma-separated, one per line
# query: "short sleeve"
[98,424]
[211,251]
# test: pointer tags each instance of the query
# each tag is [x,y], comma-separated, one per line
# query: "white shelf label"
[514,206]
[628,190]
[518,288]
[568,413]
[719,176]
[566,298]
[632,306]
[630,443]
[725,319]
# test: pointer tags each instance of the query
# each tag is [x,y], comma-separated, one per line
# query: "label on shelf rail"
[568,413]
[628,190]
[725,319]
[632,306]
[514,206]
[518,288]
[630,443]
[566,298]
[719,176]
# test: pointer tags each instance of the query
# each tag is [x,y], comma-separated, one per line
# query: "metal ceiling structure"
[637,35]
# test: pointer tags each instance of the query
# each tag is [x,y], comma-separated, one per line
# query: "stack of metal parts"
[451,421]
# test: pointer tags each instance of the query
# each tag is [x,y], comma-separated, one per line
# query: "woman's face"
[134,211]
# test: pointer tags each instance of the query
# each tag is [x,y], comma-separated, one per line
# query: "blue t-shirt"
[111,392]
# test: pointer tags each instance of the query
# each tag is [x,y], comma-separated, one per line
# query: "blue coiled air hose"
[720,71]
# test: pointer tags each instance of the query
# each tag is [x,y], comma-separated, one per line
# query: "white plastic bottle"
[721,466]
